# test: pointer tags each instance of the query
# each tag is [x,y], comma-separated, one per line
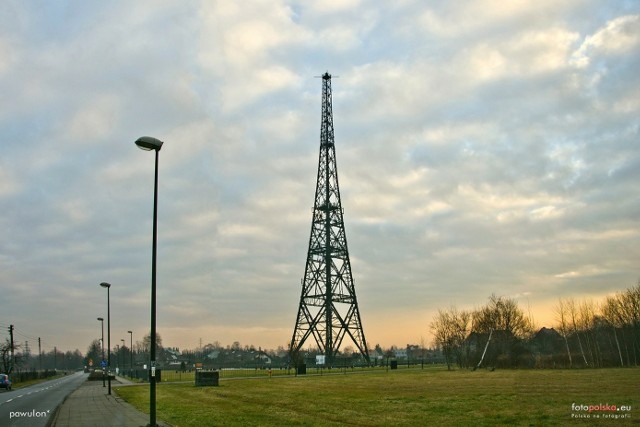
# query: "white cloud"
[619,36]
[95,120]
[479,18]
[236,44]
[331,6]
[8,184]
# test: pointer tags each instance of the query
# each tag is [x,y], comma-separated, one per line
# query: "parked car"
[5,382]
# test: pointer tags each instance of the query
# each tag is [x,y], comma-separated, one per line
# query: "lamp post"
[124,362]
[148,143]
[102,342]
[108,286]
[131,354]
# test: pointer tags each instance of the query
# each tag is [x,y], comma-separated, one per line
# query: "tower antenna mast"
[328,310]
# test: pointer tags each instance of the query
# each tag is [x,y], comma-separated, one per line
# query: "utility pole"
[27,355]
[13,360]
[40,353]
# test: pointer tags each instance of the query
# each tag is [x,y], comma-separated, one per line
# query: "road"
[35,405]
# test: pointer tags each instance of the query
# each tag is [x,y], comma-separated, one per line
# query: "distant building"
[401,353]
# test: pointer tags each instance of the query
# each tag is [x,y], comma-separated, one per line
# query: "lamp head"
[149,143]
[130,332]
[105,285]
[101,319]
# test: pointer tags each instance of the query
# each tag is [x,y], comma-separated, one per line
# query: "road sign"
[103,363]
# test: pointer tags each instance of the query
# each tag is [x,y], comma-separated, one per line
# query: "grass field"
[412,397]
[169,375]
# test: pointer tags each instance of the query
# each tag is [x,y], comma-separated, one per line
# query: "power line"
[24,335]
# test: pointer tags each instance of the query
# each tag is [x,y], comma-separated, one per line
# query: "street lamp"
[131,353]
[108,286]
[148,143]
[123,360]
[102,341]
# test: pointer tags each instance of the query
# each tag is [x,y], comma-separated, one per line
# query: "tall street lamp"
[148,143]
[108,286]
[123,359]
[131,353]
[102,341]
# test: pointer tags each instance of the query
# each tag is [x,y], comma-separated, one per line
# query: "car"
[5,382]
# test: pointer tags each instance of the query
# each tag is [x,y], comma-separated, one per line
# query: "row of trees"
[500,325]
[123,356]
[605,334]
[587,334]
[20,359]
[498,334]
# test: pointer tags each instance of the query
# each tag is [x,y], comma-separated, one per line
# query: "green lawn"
[405,397]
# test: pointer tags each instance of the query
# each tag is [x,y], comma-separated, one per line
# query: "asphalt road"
[35,405]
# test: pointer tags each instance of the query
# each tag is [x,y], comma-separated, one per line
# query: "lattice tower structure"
[328,310]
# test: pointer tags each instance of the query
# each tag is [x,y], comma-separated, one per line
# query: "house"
[547,341]
[401,353]
[213,355]
[173,358]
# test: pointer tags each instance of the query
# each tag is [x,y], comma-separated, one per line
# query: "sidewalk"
[90,405]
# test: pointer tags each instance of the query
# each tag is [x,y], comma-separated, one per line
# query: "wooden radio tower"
[328,309]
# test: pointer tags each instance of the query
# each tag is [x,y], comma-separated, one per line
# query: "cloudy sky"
[482,146]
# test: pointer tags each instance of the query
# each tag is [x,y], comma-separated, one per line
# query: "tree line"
[500,334]
[18,358]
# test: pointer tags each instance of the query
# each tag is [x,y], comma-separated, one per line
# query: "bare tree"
[441,327]
[502,314]
[8,357]
[146,342]
[586,321]
[563,325]
[631,310]
[625,308]
[611,313]
[451,328]
[506,324]
[573,315]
